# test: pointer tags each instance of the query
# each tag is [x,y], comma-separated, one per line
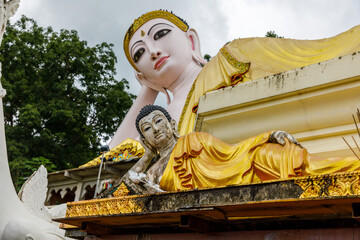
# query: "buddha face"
[156,129]
[161,51]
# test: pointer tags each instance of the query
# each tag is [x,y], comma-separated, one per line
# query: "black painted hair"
[146,110]
[177,17]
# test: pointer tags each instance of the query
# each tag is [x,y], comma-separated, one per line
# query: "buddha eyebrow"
[144,124]
[158,24]
[157,115]
[134,45]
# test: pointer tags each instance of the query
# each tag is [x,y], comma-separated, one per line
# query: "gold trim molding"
[101,207]
[331,185]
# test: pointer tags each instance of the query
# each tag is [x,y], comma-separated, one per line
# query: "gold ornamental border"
[329,185]
[106,206]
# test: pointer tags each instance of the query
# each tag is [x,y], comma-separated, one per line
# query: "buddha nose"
[154,51]
[155,55]
[155,128]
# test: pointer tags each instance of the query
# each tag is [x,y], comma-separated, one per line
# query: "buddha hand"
[137,177]
[150,151]
[280,136]
[145,160]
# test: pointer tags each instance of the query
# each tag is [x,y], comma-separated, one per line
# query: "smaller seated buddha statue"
[199,160]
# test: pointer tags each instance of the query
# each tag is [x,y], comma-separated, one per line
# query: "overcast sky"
[216,21]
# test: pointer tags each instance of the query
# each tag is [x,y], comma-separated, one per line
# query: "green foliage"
[207,57]
[24,167]
[62,96]
[272,34]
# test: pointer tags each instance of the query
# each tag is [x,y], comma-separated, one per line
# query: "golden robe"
[252,58]
[199,160]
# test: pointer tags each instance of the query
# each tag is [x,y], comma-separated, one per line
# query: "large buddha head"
[159,45]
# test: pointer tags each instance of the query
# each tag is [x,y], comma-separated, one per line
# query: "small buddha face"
[156,129]
[161,51]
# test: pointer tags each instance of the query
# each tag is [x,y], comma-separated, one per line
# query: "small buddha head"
[155,126]
[159,45]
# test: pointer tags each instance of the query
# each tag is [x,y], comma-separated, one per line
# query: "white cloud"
[304,19]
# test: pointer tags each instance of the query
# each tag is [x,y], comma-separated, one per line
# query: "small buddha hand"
[143,163]
[142,179]
[280,136]
[150,151]
[137,177]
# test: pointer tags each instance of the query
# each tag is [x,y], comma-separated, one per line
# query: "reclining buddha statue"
[199,160]
[165,54]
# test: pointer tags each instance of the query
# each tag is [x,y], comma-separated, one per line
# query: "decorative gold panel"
[121,191]
[108,206]
[340,184]
[129,148]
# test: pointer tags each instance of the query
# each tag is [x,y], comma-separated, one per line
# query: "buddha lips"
[160,62]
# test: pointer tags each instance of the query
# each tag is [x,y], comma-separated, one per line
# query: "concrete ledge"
[305,199]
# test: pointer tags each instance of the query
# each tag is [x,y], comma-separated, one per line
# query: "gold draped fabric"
[200,160]
[252,58]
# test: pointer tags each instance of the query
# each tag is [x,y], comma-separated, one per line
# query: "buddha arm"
[127,128]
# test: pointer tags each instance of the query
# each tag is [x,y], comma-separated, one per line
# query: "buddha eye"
[138,54]
[161,33]
[158,121]
[146,129]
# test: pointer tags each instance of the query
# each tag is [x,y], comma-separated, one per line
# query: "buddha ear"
[144,81]
[195,46]
[174,128]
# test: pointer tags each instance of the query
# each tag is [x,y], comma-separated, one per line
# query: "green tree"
[207,57]
[26,167]
[62,96]
[272,34]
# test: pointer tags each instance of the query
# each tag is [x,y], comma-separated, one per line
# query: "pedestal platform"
[316,204]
